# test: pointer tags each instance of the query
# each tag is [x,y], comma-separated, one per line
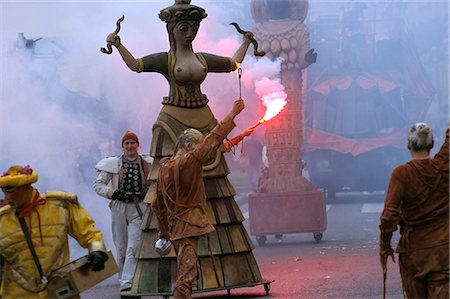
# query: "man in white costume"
[123,180]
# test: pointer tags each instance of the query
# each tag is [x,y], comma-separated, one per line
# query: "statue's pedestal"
[287,212]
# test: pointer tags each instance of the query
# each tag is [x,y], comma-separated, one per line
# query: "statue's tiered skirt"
[225,255]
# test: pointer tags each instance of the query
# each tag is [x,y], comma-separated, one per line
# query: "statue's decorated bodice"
[186,74]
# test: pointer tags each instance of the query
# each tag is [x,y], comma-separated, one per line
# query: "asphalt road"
[344,264]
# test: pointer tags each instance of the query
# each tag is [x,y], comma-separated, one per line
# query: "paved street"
[343,265]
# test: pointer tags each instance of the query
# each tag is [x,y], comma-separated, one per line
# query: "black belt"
[129,199]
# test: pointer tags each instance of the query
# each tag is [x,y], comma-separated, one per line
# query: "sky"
[67,106]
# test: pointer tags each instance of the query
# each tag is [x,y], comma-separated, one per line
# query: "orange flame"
[274,107]
[275,102]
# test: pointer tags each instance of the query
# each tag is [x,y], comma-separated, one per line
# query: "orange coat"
[230,143]
[180,203]
[417,200]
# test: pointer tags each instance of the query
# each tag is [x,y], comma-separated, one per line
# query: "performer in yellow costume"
[49,219]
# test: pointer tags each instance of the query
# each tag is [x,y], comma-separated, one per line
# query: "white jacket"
[107,180]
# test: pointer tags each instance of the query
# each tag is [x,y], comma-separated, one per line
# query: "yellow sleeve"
[81,226]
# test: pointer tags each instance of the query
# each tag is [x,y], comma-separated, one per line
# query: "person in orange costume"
[417,200]
[180,205]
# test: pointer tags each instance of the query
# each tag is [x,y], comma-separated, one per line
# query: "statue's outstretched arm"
[240,53]
[248,38]
[113,39]
[128,58]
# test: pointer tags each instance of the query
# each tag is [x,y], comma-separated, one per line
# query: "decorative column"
[282,33]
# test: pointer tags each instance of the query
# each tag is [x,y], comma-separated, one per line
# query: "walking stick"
[383,262]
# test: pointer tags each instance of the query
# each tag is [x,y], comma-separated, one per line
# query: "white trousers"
[127,236]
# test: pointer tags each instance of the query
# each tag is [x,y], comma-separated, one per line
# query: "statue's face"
[185,32]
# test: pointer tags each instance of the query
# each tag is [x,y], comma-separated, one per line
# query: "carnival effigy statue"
[225,255]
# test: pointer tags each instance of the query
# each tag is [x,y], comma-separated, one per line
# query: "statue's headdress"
[18,176]
[182,10]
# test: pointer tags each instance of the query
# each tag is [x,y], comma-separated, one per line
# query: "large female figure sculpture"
[225,256]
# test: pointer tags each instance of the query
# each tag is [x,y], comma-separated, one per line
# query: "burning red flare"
[274,102]
[274,107]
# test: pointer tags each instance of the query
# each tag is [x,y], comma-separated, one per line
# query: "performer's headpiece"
[17,176]
[130,135]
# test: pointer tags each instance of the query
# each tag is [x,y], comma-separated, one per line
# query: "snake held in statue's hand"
[252,39]
[109,45]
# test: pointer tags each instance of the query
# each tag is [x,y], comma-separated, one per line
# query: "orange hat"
[130,135]
[17,176]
